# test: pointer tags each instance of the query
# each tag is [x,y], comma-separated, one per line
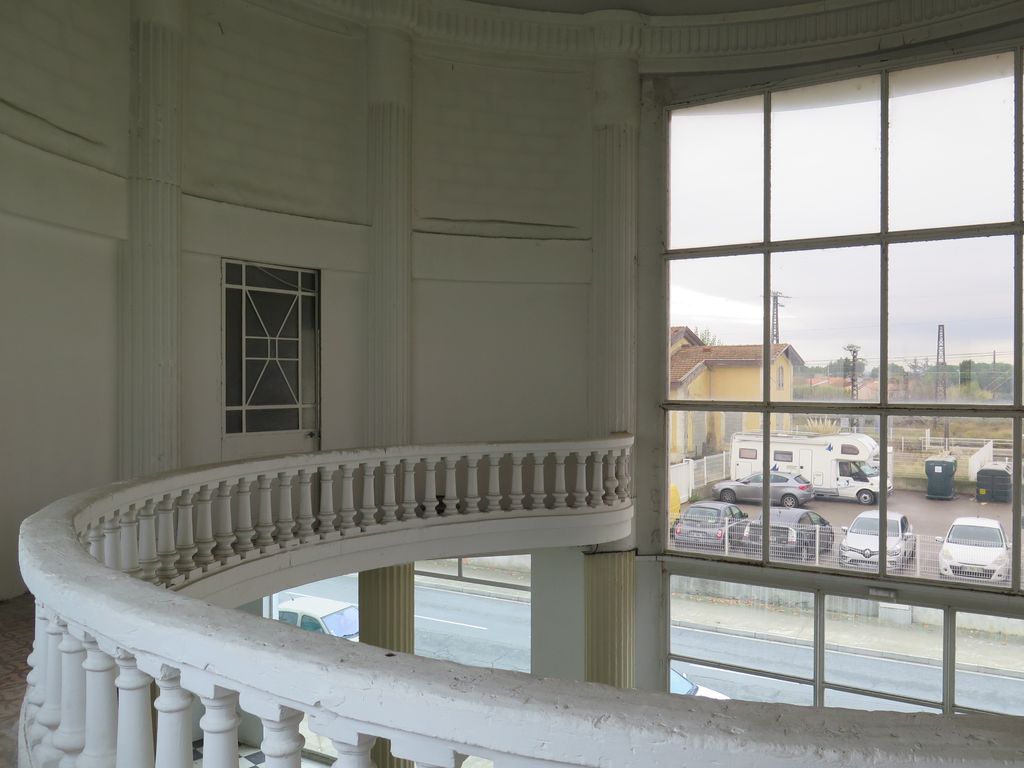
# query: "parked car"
[795,534]
[860,542]
[320,614]
[707,524]
[786,488]
[975,548]
[680,684]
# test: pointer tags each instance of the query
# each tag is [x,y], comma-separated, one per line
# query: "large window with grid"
[271,355]
[844,381]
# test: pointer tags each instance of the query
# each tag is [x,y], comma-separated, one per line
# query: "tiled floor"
[16,630]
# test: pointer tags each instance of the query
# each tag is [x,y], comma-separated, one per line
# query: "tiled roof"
[686,359]
[683,333]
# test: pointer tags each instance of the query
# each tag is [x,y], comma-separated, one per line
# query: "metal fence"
[693,474]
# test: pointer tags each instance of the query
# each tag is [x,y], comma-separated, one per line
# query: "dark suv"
[795,534]
[707,525]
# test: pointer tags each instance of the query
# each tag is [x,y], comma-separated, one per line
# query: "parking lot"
[929,518]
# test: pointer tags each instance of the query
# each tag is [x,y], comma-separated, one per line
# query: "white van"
[841,466]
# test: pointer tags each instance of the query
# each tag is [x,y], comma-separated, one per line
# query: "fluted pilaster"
[610,617]
[150,260]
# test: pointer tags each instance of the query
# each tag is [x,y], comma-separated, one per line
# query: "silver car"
[860,543]
[787,489]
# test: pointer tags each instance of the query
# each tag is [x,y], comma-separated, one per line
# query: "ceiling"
[649,7]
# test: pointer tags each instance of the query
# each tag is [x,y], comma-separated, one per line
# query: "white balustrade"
[561,497]
[244,532]
[184,538]
[112,542]
[100,750]
[430,488]
[134,714]
[220,729]
[49,713]
[174,722]
[326,515]
[166,551]
[147,542]
[409,504]
[493,483]
[264,513]
[537,495]
[304,522]
[282,742]
[284,523]
[450,500]
[69,737]
[515,494]
[472,485]
[204,528]
[130,542]
[94,538]
[596,479]
[388,506]
[579,492]
[369,507]
[348,504]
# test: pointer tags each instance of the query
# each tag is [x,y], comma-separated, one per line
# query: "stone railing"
[116,573]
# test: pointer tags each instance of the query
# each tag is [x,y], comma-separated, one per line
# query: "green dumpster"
[994,483]
[940,471]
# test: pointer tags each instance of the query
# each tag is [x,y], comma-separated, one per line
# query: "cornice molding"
[823,29]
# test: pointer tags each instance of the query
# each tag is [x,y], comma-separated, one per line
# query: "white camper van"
[839,466]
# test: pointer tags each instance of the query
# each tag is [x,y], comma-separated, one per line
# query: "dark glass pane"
[291,373]
[271,421]
[277,313]
[268,277]
[272,388]
[233,346]
[257,348]
[288,349]
[253,371]
[233,422]
[308,281]
[253,324]
[309,349]
[233,274]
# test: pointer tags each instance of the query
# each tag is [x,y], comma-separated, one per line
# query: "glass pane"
[232,273]
[825,325]
[290,369]
[689,679]
[951,143]
[884,647]
[272,420]
[990,663]
[257,348]
[288,349]
[309,281]
[269,277]
[953,493]
[272,387]
[233,423]
[232,347]
[716,173]
[951,321]
[276,314]
[712,497]
[826,159]
[759,628]
[856,701]
[254,370]
[309,349]
[716,340]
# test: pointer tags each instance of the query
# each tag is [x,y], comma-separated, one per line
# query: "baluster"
[220,730]
[355,755]
[579,492]
[264,514]
[36,680]
[223,532]
[69,737]
[244,533]
[348,508]
[326,514]
[596,479]
[537,495]
[282,742]
[165,549]
[130,542]
[610,481]
[451,499]
[134,714]
[94,537]
[408,506]
[515,494]
[185,540]
[285,523]
[173,722]
[620,476]
[472,503]
[493,483]
[430,488]
[204,528]
[112,542]
[561,498]
[369,508]
[304,525]
[388,506]
[147,542]
[100,708]
[49,713]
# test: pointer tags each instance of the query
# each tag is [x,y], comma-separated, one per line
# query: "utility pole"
[776,295]
[940,377]
[853,349]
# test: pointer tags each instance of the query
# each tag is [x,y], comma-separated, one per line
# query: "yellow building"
[720,372]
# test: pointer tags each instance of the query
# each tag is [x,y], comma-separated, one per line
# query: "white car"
[860,542]
[681,684]
[975,548]
[320,614]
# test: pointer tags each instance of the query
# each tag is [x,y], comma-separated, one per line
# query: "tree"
[707,338]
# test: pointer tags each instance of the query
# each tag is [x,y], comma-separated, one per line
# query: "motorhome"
[843,465]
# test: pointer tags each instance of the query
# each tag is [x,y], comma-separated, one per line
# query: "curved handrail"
[432,711]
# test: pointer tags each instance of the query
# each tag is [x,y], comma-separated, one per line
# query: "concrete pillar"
[610,618]
[557,613]
[148,285]
[386,620]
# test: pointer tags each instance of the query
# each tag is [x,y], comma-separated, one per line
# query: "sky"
[951,134]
